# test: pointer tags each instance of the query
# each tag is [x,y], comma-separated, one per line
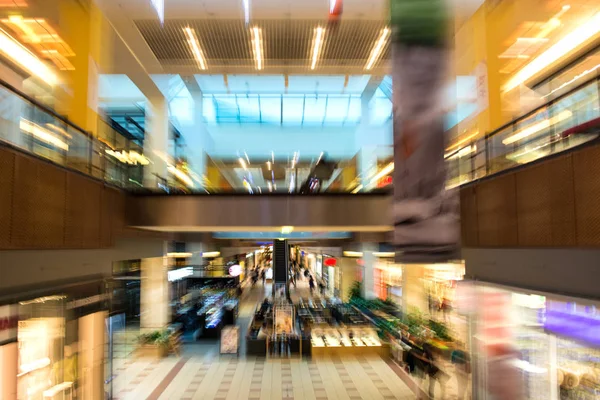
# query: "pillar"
[367,151]
[369,259]
[413,289]
[199,161]
[154,298]
[156,143]
[91,355]
[8,371]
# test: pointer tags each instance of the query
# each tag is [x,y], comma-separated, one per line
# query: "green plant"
[356,291]
[440,330]
[158,338]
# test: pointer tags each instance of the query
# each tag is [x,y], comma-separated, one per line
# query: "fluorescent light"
[26,59]
[247,158]
[42,134]
[376,52]
[320,157]
[211,254]
[270,185]
[18,21]
[194,44]
[353,254]
[179,255]
[182,176]
[461,152]
[286,230]
[159,6]
[530,130]
[243,163]
[269,165]
[358,188]
[180,273]
[567,44]
[257,47]
[246,10]
[332,4]
[384,254]
[384,171]
[272,156]
[317,42]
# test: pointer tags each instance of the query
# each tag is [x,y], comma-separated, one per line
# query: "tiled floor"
[201,373]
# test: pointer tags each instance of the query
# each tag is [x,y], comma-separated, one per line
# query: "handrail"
[44,107]
[537,109]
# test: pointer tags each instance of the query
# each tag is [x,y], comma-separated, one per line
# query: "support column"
[154,298]
[369,259]
[366,145]
[413,290]
[156,143]
[91,355]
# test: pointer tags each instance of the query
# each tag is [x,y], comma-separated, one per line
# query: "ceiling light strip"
[317,45]
[246,11]
[257,47]
[564,46]
[194,44]
[25,59]
[378,49]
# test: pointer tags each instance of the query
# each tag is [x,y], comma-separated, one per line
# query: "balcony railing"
[564,123]
[37,129]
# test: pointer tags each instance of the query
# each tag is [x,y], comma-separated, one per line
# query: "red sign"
[385,181]
[335,9]
[330,262]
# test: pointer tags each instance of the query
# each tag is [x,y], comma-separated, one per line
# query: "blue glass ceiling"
[283,109]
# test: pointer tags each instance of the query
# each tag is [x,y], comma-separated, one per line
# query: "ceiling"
[287,44]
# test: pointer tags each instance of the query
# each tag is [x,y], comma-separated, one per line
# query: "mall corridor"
[200,372]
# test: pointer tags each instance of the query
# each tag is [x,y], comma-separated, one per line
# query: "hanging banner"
[426,215]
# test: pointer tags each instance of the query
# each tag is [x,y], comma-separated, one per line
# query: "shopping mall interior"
[277,200]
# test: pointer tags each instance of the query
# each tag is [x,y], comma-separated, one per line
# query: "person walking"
[311,284]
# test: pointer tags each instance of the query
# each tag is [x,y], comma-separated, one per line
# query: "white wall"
[573,272]
[22,268]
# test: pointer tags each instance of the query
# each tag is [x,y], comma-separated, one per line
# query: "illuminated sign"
[235,270]
[159,6]
[572,320]
[178,274]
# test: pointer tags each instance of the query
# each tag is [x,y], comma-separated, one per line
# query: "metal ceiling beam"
[371,87]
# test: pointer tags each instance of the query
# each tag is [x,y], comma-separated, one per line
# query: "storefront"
[52,342]
[536,345]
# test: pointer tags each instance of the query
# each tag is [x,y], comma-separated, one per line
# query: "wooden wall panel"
[468,212]
[50,206]
[7,171]
[24,214]
[562,202]
[82,222]
[534,206]
[106,215]
[586,172]
[497,213]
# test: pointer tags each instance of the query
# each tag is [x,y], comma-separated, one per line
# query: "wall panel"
[468,221]
[534,206]
[586,172]
[7,171]
[497,212]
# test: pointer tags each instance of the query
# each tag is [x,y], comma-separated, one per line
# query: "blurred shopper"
[311,284]
[434,372]
[263,275]
[322,287]
[462,367]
